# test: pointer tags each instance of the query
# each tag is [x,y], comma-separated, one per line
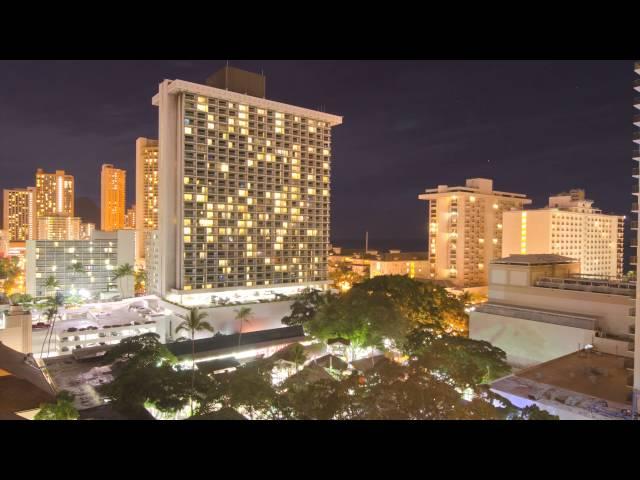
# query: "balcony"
[635,171]
[628,363]
[636,102]
[634,223]
[636,137]
[633,260]
[634,207]
[634,189]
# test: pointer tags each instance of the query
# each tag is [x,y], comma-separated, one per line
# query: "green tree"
[423,303]
[63,409]
[10,273]
[243,314]
[465,362]
[533,412]
[139,351]
[192,323]
[140,281]
[343,277]
[123,272]
[305,306]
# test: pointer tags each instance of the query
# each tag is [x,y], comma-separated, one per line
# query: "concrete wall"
[527,342]
[16,333]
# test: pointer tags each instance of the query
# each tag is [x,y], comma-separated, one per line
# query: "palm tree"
[51,313]
[51,284]
[121,272]
[242,315]
[76,267]
[194,323]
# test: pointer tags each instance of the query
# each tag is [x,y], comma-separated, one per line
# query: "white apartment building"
[244,190]
[465,229]
[569,226]
[98,258]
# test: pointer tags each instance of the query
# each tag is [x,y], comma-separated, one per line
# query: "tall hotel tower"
[244,190]
[19,214]
[54,194]
[146,192]
[113,183]
[636,174]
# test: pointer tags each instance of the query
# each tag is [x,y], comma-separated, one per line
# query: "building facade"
[248,209]
[4,243]
[113,183]
[59,228]
[130,218]
[636,188]
[540,308]
[98,258]
[572,227]
[372,264]
[86,230]
[19,213]
[146,191]
[465,229]
[54,194]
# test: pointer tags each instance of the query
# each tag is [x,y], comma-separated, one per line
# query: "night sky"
[535,127]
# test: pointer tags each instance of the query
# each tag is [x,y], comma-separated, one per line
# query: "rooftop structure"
[539,308]
[586,384]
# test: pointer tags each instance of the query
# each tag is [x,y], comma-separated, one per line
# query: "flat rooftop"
[587,380]
[534,259]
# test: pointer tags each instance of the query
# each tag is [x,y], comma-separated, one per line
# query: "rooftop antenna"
[366,242]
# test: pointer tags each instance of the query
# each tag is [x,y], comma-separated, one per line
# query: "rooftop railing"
[543,316]
[612,287]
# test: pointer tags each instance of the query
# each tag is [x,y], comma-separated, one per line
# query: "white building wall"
[527,342]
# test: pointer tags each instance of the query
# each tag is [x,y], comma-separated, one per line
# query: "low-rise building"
[373,263]
[23,386]
[541,308]
[15,328]
[583,385]
[85,267]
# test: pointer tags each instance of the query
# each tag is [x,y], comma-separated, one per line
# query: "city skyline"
[566,116]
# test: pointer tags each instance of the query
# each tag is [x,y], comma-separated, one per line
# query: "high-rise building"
[54,194]
[58,227]
[465,229]
[86,230]
[113,183]
[636,157]
[146,192]
[244,191]
[570,226]
[130,218]
[19,212]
